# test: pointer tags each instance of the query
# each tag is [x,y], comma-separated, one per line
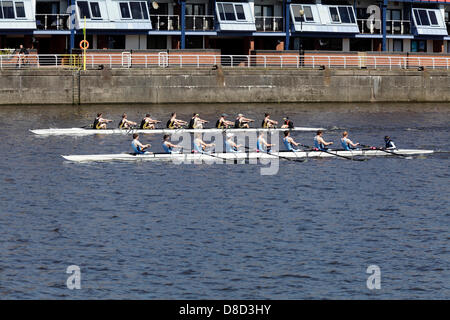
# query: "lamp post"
[300,47]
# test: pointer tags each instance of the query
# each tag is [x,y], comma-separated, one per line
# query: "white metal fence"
[167,60]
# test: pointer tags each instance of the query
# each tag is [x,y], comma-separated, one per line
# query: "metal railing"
[165,22]
[199,23]
[269,24]
[373,26]
[167,60]
[52,21]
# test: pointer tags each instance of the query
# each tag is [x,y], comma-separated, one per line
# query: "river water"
[160,230]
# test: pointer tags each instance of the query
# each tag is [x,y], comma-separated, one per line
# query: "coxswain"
[200,145]
[196,122]
[138,147]
[148,123]
[288,124]
[230,145]
[125,123]
[222,123]
[346,143]
[242,122]
[167,146]
[267,123]
[174,123]
[289,142]
[261,143]
[389,144]
[319,142]
[100,122]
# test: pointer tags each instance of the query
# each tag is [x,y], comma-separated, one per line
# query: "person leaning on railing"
[21,55]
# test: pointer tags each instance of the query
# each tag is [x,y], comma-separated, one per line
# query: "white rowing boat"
[189,157]
[83,131]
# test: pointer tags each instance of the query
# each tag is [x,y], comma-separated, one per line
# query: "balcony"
[173,22]
[199,23]
[165,22]
[269,24]
[373,26]
[52,21]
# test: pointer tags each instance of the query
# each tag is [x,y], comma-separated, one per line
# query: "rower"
[200,145]
[267,123]
[196,122]
[261,143]
[167,146]
[242,122]
[319,142]
[346,143]
[125,123]
[148,123]
[288,124]
[138,147]
[289,143]
[100,122]
[230,145]
[222,123]
[389,144]
[174,123]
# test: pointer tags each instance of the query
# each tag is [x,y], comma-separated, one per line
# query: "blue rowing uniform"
[345,144]
[288,145]
[229,148]
[136,148]
[197,148]
[318,145]
[259,146]
[166,148]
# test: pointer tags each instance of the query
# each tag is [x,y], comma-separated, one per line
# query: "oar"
[281,157]
[224,159]
[337,155]
[384,150]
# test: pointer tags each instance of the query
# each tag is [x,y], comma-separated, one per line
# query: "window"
[334,14]
[136,12]
[342,14]
[239,12]
[263,11]
[418,46]
[8,10]
[231,12]
[433,18]
[125,10]
[426,17]
[195,9]
[398,45]
[95,10]
[307,13]
[20,10]
[84,9]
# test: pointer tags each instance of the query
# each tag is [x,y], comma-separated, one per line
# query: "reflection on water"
[159,230]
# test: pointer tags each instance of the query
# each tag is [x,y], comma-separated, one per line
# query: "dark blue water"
[159,230]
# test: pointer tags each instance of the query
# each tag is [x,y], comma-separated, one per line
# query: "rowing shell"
[188,157]
[82,131]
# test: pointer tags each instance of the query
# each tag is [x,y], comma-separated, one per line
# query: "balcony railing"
[373,26]
[199,23]
[269,24]
[165,22]
[52,21]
